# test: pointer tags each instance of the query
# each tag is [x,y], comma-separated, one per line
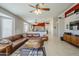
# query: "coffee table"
[34,42]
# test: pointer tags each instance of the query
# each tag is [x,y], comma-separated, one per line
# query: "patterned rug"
[33,52]
[23,51]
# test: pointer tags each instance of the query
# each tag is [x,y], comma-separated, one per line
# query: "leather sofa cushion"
[24,35]
[17,42]
[44,38]
[29,35]
[14,38]
[17,37]
[11,38]
[36,35]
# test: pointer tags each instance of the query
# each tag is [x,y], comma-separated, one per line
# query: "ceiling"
[22,9]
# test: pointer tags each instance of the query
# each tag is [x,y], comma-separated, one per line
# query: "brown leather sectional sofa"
[16,42]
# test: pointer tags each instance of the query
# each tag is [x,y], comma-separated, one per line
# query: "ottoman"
[34,43]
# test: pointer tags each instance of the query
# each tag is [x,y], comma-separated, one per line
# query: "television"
[74,25]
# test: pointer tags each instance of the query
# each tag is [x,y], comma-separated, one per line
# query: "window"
[26,27]
[6,27]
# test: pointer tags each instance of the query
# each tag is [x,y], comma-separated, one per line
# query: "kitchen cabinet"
[73,39]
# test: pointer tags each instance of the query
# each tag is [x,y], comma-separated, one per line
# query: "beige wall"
[59,24]
[19,26]
[51,26]
[0,28]
[55,25]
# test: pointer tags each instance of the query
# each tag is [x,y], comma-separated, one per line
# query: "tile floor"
[56,47]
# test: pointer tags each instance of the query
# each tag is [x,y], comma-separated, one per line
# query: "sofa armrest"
[6,49]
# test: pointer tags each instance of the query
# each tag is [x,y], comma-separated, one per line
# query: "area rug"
[33,51]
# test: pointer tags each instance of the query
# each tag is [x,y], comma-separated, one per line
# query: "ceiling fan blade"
[46,9]
[37,5]
[32,6]
[32,11]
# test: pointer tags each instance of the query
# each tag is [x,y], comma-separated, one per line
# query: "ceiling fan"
[38,8]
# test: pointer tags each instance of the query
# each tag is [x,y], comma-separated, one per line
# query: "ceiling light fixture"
[38,11]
